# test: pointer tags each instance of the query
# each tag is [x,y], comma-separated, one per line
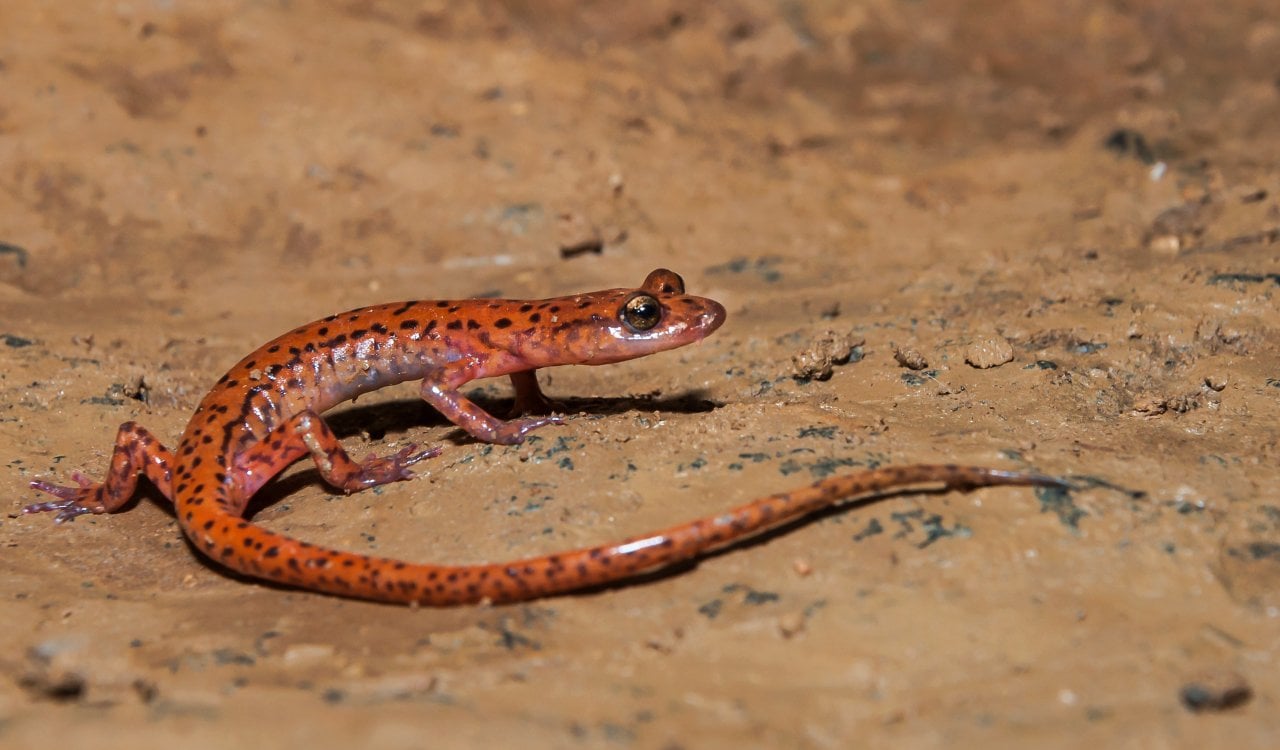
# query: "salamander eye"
[641,312]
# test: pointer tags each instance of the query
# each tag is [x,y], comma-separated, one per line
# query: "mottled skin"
[265,414]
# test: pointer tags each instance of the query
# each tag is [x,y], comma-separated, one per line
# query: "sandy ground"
[1046,235]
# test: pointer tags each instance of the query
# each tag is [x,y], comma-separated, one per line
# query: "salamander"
[264,414]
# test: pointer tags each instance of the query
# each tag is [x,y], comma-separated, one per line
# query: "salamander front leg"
[136,450]
[306,433]
[529,396]
[479,423]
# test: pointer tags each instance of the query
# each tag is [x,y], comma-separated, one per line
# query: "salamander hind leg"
[306,433]
[136,450]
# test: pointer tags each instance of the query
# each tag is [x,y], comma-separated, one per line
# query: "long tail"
[254,551]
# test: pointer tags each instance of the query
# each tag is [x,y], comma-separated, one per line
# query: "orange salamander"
[265,414]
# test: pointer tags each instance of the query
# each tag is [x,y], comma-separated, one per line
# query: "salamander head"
[614,325]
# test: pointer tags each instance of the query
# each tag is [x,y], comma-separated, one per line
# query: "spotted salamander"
[264,414]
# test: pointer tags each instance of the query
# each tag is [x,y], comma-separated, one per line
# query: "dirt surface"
[1019,234]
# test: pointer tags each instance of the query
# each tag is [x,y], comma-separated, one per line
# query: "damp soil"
[1017,234]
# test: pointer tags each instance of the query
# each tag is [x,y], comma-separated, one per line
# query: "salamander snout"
[713,316]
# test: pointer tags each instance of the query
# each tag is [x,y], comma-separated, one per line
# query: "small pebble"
[819,359]
[791,624]
[911,359]
[989,351]
[1216,690]
[1164,244]
[1216,382]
